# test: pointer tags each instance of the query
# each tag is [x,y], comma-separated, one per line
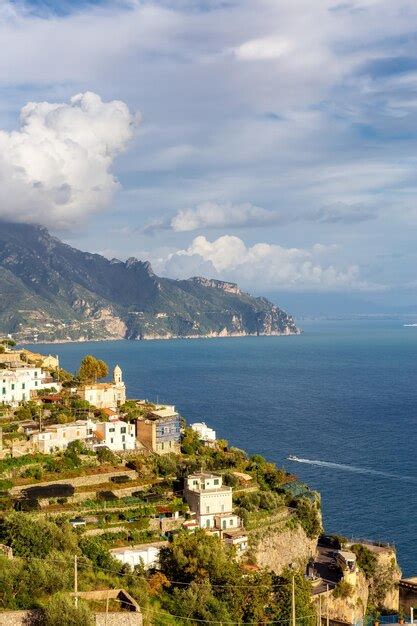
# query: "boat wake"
[354,468]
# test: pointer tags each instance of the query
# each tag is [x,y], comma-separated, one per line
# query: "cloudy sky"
[270,142]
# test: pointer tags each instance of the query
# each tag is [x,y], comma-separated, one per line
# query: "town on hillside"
[114,511]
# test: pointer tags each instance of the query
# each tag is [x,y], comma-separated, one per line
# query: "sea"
[341,397]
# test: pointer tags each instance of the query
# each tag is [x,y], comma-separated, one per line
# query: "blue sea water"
[342,396]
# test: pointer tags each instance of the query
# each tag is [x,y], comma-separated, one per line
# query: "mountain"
[52,292]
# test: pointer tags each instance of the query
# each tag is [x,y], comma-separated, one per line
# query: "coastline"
[161,338]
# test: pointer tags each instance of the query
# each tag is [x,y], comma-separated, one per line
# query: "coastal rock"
[276,548]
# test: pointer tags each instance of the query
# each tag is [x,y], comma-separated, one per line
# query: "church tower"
[117,375]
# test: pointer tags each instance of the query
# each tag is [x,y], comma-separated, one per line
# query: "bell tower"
[117,375]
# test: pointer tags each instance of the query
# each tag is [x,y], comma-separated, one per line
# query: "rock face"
[51,292]
[276,549]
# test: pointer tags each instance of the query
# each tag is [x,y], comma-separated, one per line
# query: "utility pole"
[76,581]
[319,620]
[107,609]
[327,605]
[293,621]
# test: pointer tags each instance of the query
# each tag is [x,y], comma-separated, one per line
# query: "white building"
[237,539]
[204,432]
[116,435]
[58,436]
[108,395]
[19,384]
[211,501]
[146,555]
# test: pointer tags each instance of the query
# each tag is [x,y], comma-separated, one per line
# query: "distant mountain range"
[50,291]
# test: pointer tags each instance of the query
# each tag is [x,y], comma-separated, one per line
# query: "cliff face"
[57,292]
[277,548]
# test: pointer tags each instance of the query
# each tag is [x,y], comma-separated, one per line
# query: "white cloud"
[262,266]
[56,168]
[214,215]
[263,49]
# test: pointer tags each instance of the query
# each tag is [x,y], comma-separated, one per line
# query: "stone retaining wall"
[78,481]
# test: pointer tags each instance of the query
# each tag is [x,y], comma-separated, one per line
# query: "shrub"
[62,605]
[105,455]
[343,590]
[309,517]
[365,559]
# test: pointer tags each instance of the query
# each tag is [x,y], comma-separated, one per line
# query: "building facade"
[116,435]
[160,431]
[19,384]
[211,501]
[57,437]
[205,433]
[108,395]
[146,555]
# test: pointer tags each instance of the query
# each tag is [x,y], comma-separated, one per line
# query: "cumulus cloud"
[262,266]
[56,169]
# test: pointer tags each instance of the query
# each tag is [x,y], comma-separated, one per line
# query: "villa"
[211,501]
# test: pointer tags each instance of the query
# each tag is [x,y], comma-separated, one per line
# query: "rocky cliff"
[51,291]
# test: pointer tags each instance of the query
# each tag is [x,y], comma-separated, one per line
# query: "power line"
[173,582]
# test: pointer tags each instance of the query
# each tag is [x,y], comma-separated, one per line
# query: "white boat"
[291,457]
[409,324]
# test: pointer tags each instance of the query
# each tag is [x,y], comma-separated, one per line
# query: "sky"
[271,143]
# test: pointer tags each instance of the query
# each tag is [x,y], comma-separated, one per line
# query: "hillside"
[52,291]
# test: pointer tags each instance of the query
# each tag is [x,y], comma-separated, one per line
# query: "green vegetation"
[343,590]
[61,604]
[309,516]
[366,560]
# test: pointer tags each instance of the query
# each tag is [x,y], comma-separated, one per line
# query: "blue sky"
[275,146]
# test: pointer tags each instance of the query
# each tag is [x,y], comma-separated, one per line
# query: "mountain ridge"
[50,291]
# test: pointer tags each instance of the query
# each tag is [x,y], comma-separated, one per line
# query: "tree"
[92,369]
[62,610]
[304,608]
[198,556]
[34,537]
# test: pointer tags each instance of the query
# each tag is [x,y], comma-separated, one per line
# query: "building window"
[222,508]
[207,523]
[111,440]
[207,509]
[123,429]
[231,522]
[216,481]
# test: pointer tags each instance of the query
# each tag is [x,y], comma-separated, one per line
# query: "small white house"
[204,432]
[238,539]
[116,435]
[146,555]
